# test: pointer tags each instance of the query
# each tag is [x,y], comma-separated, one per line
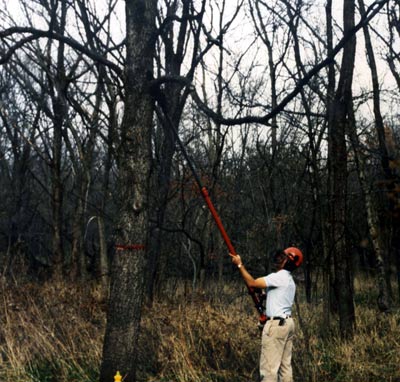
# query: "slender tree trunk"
[388,162]
[171,102]
[393,195]
[19,186]
[78,257]
[372,214]
[314,142]
[326,227]
[128,268]
[394,30]
[57,201]
[373,223]
[162,192]
[103,268]
[103,263]
[60,109]
[342,114]
[216,141]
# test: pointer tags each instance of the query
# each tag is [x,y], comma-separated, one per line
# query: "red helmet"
[294,254]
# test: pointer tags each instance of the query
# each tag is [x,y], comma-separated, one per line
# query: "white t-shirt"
[280,293]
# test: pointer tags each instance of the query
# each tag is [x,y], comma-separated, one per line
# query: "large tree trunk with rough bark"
[134,158]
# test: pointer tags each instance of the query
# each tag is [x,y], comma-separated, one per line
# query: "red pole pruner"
[256,295]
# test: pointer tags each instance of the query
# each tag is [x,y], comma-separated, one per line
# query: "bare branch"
[37,34]
[371,12]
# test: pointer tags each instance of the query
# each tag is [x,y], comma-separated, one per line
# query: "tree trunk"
[171,101]
[103,268]
[57,202]
[78,257]
[372,214]
[60,110]
[389,157]
[373,223]
[128,268]
[102,262]
[162,192]
[326,228]
[342,115]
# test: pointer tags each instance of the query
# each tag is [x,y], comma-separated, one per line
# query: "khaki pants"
[276,351]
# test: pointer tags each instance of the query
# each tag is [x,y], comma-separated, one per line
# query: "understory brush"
[53,332]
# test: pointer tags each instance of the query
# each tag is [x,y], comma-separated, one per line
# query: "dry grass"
[54,333]
[49,333]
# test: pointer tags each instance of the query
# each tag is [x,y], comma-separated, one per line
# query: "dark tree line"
[272,116]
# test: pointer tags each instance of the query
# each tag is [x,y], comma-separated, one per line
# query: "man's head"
[289,259]
[279,259]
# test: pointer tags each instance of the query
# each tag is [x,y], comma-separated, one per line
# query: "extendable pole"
[204,192]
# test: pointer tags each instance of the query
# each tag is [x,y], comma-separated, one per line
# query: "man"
[278,332]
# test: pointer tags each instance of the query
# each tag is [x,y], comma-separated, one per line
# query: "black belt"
[278,318]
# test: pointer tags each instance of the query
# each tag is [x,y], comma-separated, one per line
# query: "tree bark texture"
[134,158]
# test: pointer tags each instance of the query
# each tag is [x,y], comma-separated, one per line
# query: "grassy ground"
[54,333]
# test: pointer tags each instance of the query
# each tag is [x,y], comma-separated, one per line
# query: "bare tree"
[372,213]
[342,116]
[175,32]
[19,121]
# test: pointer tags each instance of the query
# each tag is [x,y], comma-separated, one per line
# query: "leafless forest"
[288,113]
